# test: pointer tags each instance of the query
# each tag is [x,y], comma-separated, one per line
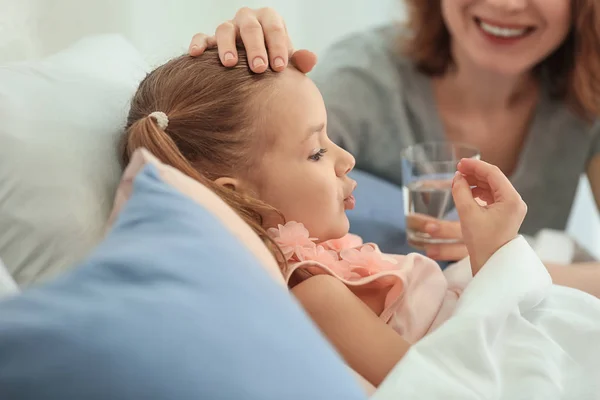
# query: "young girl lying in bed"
[260,142]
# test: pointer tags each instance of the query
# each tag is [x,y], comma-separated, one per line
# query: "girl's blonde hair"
[212,129]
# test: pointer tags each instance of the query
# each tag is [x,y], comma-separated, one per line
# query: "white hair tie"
[161,119]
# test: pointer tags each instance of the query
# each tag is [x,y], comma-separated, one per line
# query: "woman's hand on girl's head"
[264,35]
[486,227]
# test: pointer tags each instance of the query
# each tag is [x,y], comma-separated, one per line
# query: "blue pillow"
[169,306]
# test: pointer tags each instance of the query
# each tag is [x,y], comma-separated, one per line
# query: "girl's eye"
[317,156]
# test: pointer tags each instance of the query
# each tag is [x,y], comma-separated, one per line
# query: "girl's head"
[259,141]
[513,37]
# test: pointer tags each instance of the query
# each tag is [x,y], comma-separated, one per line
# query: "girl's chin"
[342,231]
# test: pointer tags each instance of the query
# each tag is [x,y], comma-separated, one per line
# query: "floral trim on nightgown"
[418,299]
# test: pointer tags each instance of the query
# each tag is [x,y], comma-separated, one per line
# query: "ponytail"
[147,133]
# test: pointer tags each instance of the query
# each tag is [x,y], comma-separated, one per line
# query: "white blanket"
[513,336]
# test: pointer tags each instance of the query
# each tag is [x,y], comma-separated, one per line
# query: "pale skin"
[498,91]
[349,320]
[305,176]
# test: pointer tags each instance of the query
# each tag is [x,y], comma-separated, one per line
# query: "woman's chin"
[503,65]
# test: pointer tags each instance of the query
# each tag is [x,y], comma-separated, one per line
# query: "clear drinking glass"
[427,173]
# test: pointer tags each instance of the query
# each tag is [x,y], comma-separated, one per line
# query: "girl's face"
[508,37]
[304,174]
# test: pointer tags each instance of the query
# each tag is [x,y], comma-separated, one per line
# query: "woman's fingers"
[251,33]
[446,252]
[264,36]
[435,227]
[304,60]
[225,38]
[443,229]
[417,222]
[276,37]
[200,42]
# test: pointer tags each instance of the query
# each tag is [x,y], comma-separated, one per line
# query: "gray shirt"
[378,103]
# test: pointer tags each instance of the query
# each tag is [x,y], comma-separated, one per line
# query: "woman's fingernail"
[258,62]
[431,227]
[228,56]
[193,48]
[278,62]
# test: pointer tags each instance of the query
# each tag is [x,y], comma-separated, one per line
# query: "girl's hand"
[264,35]
[494,220]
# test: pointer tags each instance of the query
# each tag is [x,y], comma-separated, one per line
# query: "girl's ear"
[229,183]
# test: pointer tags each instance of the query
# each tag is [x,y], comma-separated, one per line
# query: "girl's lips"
[349,202]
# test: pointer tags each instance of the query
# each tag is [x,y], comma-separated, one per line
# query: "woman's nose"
[508,5]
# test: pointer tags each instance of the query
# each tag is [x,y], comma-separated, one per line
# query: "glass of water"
[427,173]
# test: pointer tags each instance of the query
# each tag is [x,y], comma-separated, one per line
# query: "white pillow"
[60,120]
[7,283]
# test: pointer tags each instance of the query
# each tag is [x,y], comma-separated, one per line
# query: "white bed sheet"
[514,335]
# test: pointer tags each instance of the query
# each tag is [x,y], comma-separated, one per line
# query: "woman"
[518,79]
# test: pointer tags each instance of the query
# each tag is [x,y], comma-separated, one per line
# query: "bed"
[101,317]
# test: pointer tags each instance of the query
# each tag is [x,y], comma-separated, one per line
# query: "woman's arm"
[584,276]
[590,270]
[593,173]
[367,344]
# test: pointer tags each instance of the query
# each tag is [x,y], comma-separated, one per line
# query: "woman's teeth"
[502,32]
